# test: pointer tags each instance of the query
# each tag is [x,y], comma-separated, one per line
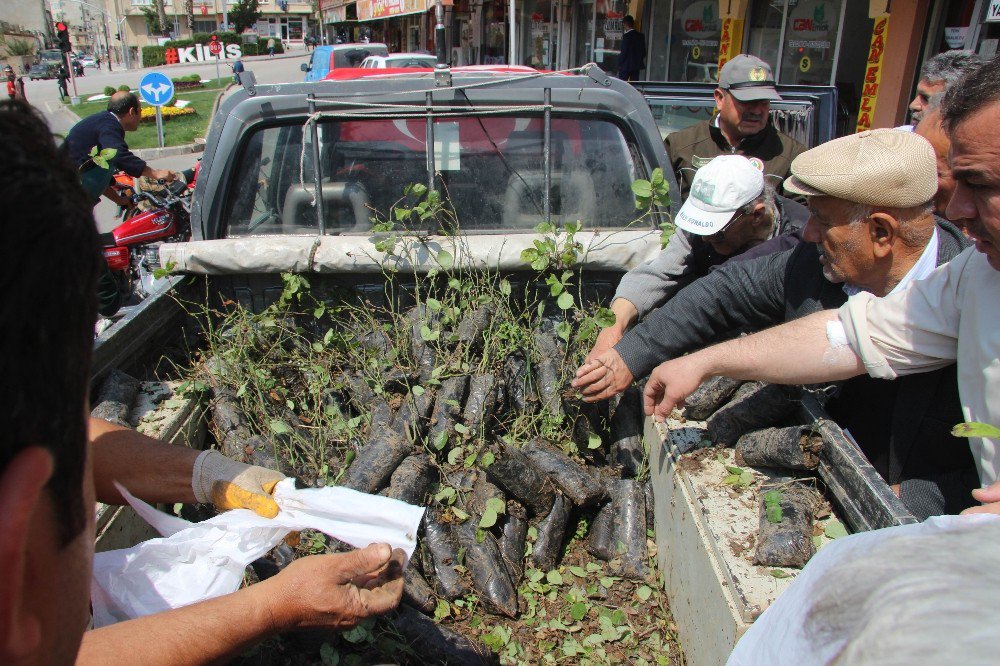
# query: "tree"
[153,25]
[189,10]
[244,14]
[161,13]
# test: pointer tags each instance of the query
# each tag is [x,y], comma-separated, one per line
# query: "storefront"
[598,30]
[399,24]
[288,28]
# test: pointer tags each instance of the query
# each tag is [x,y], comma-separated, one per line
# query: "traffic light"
[62,37]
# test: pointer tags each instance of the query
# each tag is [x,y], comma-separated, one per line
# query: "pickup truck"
[298,181]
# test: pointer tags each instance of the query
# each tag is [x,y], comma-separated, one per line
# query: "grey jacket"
[688,257]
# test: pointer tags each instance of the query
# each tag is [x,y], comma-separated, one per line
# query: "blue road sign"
[156,88]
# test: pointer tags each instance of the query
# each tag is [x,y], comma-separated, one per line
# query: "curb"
[277,56]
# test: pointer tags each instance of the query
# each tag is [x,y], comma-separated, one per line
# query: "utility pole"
[442,58]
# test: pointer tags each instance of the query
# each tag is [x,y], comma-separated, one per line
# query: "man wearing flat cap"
[743,126]
[871,230]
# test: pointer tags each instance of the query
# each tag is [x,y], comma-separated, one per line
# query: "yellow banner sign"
[873,74]
[730,41]
[369,10]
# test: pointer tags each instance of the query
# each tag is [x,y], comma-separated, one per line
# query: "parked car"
[43,70]
[407,60]
[88,61]
[325,58]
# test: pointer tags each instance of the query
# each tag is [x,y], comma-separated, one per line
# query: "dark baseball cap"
[748,79]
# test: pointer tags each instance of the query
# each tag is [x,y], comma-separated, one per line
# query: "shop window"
[694,42]
[811,32]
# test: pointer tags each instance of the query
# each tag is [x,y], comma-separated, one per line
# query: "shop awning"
[371,10]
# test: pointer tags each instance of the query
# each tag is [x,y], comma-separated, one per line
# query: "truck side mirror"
[304,67]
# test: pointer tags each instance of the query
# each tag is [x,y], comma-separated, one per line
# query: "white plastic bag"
[197,561]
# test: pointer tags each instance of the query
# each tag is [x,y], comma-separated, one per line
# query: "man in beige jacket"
[951,316]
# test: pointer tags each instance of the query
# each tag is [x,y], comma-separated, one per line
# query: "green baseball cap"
[748,79]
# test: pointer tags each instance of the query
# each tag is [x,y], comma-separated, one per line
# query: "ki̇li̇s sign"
[201,53]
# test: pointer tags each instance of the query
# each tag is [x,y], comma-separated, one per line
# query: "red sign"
[204,10]
[214,48]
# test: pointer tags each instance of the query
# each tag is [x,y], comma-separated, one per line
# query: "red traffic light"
[60,26]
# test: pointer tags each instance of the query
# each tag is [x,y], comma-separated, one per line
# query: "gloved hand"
[233,485]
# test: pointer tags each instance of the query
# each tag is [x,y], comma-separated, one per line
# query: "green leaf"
[441,440]
[489,519]
[357,634]
[578,572]
[593,441]
[778,573]
[461,429]
[976,429]
[329,655]
[461,515]
[487,459]
[319,311]
[446,494]
[433,304]
[565,300]
[554,577]
[505,287]
[417,391]
[734,470]
[427,335]
[563,330]
[773,497]
[445,260]
[442,610]
[746,478]
[644,592]
[642,188]
[605,317]
[534,575]
[496,505]
[657,177]
[834,529]
[731,480]
[454,455]
[280,428]
[773,512]
[578,611]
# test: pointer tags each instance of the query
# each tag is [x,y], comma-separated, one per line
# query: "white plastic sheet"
[197,561]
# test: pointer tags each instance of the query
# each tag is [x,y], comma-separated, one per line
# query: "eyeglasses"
[738,215]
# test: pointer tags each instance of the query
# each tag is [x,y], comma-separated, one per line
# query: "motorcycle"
[160,212]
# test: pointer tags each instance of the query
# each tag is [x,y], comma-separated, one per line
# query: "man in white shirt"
[951,316]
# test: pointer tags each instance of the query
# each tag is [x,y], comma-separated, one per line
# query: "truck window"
[490,168]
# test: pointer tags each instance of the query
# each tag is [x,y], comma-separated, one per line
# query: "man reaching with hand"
[50,473]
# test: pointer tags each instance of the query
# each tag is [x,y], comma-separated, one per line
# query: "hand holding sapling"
[603,376]
[669,384]
[335,591]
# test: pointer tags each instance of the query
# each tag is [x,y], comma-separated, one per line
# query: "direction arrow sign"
[156,89]
[214,48]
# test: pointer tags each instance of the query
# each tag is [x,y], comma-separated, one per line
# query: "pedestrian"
[743,126]
[11,88]
[61,77]
[633,52]
[237,70]
[270,47]
[19,87]
[937,75]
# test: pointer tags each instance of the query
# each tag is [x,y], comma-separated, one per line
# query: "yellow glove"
[233,485]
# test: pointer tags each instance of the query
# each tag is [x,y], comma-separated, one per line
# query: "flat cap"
[886,168]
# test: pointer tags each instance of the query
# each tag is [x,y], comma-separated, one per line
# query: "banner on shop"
[378,9]
[200,53]
[731,40]
[873,74]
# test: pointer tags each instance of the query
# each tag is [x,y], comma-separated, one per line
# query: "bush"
[178,43]
[153,56]
[251,49]
[124,88]
[109,90]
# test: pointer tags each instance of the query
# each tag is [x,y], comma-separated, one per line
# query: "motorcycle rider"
[107,130]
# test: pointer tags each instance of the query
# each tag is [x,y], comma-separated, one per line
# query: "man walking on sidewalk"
[270,47]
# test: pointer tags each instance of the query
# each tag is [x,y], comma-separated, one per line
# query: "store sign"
[614,28]
[201,53]
[812,19]
[379,9]
[993,11]
[701,20]
[873,74]
[730,41]
[955,37]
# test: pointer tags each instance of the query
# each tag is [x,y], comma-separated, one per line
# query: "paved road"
[44,96]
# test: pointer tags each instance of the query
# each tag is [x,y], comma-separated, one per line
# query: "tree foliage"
[244,14]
